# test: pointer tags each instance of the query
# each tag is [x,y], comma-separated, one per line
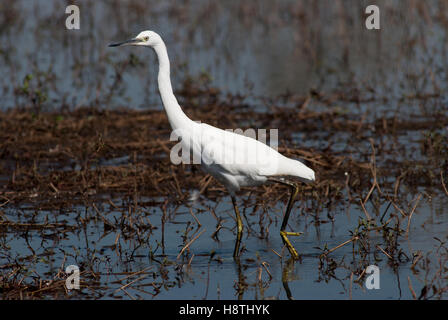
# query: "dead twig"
[189,243]
[410,215]
[339,246]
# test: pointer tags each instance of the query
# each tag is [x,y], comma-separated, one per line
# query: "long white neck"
[176,116]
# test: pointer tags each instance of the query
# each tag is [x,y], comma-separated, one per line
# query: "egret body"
[234,160]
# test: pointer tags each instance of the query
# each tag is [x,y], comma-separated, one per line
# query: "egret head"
[144,38]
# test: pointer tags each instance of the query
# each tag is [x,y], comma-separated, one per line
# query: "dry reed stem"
[410,215]
[132,274]
[443,183]
[189,243]
[339,246]
[411,288]
[132,282]
[276,253]
[195,218]
[265,264]
[383,251]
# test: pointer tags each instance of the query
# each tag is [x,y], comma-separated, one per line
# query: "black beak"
[125,43]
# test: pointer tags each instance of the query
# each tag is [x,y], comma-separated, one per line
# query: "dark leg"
[283,233]
[239,224]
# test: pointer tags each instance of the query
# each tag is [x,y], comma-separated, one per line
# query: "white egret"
[234,160]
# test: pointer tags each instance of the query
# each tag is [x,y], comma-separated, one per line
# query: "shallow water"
[215,277]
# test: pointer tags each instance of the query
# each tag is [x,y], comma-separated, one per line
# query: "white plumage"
[234,160]
[237,160]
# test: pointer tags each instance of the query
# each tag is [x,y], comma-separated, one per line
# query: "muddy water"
[261,50]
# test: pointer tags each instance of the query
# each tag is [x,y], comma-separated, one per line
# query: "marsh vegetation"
[86,178]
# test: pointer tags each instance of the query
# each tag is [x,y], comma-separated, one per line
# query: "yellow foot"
[292,233]
[292,250]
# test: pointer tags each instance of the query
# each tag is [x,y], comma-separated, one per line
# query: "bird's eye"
[146,38]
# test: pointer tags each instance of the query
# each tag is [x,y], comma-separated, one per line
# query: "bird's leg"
[283,233]
[239,224]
